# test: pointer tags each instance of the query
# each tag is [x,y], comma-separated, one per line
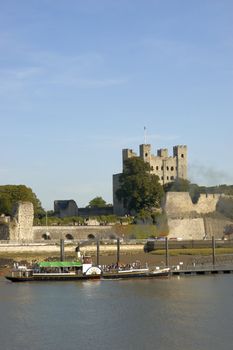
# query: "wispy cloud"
[42,69]
[85,83]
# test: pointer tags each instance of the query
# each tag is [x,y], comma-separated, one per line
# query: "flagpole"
[144,135]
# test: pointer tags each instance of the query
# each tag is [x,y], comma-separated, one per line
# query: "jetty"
[205,270]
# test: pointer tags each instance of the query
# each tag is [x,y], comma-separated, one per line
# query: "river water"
[185,313]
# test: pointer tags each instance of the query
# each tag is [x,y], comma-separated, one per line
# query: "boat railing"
[124,267]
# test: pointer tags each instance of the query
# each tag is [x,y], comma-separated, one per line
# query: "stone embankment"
[187,220]
[43,248]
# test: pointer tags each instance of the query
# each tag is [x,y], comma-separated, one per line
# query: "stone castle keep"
[167,168]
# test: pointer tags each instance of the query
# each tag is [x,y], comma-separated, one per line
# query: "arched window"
[46,236]
[91,236]
[69,236]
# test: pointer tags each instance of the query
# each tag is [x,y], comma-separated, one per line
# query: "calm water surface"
[188,313]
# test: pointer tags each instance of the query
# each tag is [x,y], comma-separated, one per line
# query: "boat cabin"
[58,267]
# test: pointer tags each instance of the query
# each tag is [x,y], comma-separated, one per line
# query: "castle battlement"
[168,168]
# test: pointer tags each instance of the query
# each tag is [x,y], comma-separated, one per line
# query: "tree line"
[140,192]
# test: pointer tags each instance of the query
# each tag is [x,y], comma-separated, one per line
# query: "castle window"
[167,177]
[146,154]
[172,168]
[182,156]
[167,168]
[157,168]
[161,177]
[161,167]
[172,177]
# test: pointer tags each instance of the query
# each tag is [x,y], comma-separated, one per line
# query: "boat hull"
[143,275]
[51,278]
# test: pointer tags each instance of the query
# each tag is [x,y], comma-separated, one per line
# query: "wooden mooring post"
[167,251]
[213,250]
[97,252]
[118,251]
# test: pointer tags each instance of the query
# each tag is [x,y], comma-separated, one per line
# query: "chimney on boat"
[62,250]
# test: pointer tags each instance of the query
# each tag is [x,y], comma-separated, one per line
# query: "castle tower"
[163,152]
[167,168]
[126,154]
[180,153]
[145,152]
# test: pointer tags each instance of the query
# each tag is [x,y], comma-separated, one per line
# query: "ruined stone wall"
[177,204]
[4,227]
[188,221]
[77,232]
[118,208]
[197,228]
[4,231]
[215,227]
[20,227]
[186,228]
[64,208]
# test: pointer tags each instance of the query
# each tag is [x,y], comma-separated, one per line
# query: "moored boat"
[56,271]
[134,270]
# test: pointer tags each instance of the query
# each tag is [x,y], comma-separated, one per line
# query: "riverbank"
[128,254]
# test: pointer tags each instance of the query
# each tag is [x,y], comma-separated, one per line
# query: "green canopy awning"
[60,264]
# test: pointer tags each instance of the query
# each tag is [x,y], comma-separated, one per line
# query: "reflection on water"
[178,313]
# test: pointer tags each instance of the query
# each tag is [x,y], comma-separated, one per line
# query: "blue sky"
[79,80]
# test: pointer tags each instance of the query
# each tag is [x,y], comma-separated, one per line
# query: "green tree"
[139,189]
[11,194]
[97,202]
[225,207]
[179,185]
[183,185]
